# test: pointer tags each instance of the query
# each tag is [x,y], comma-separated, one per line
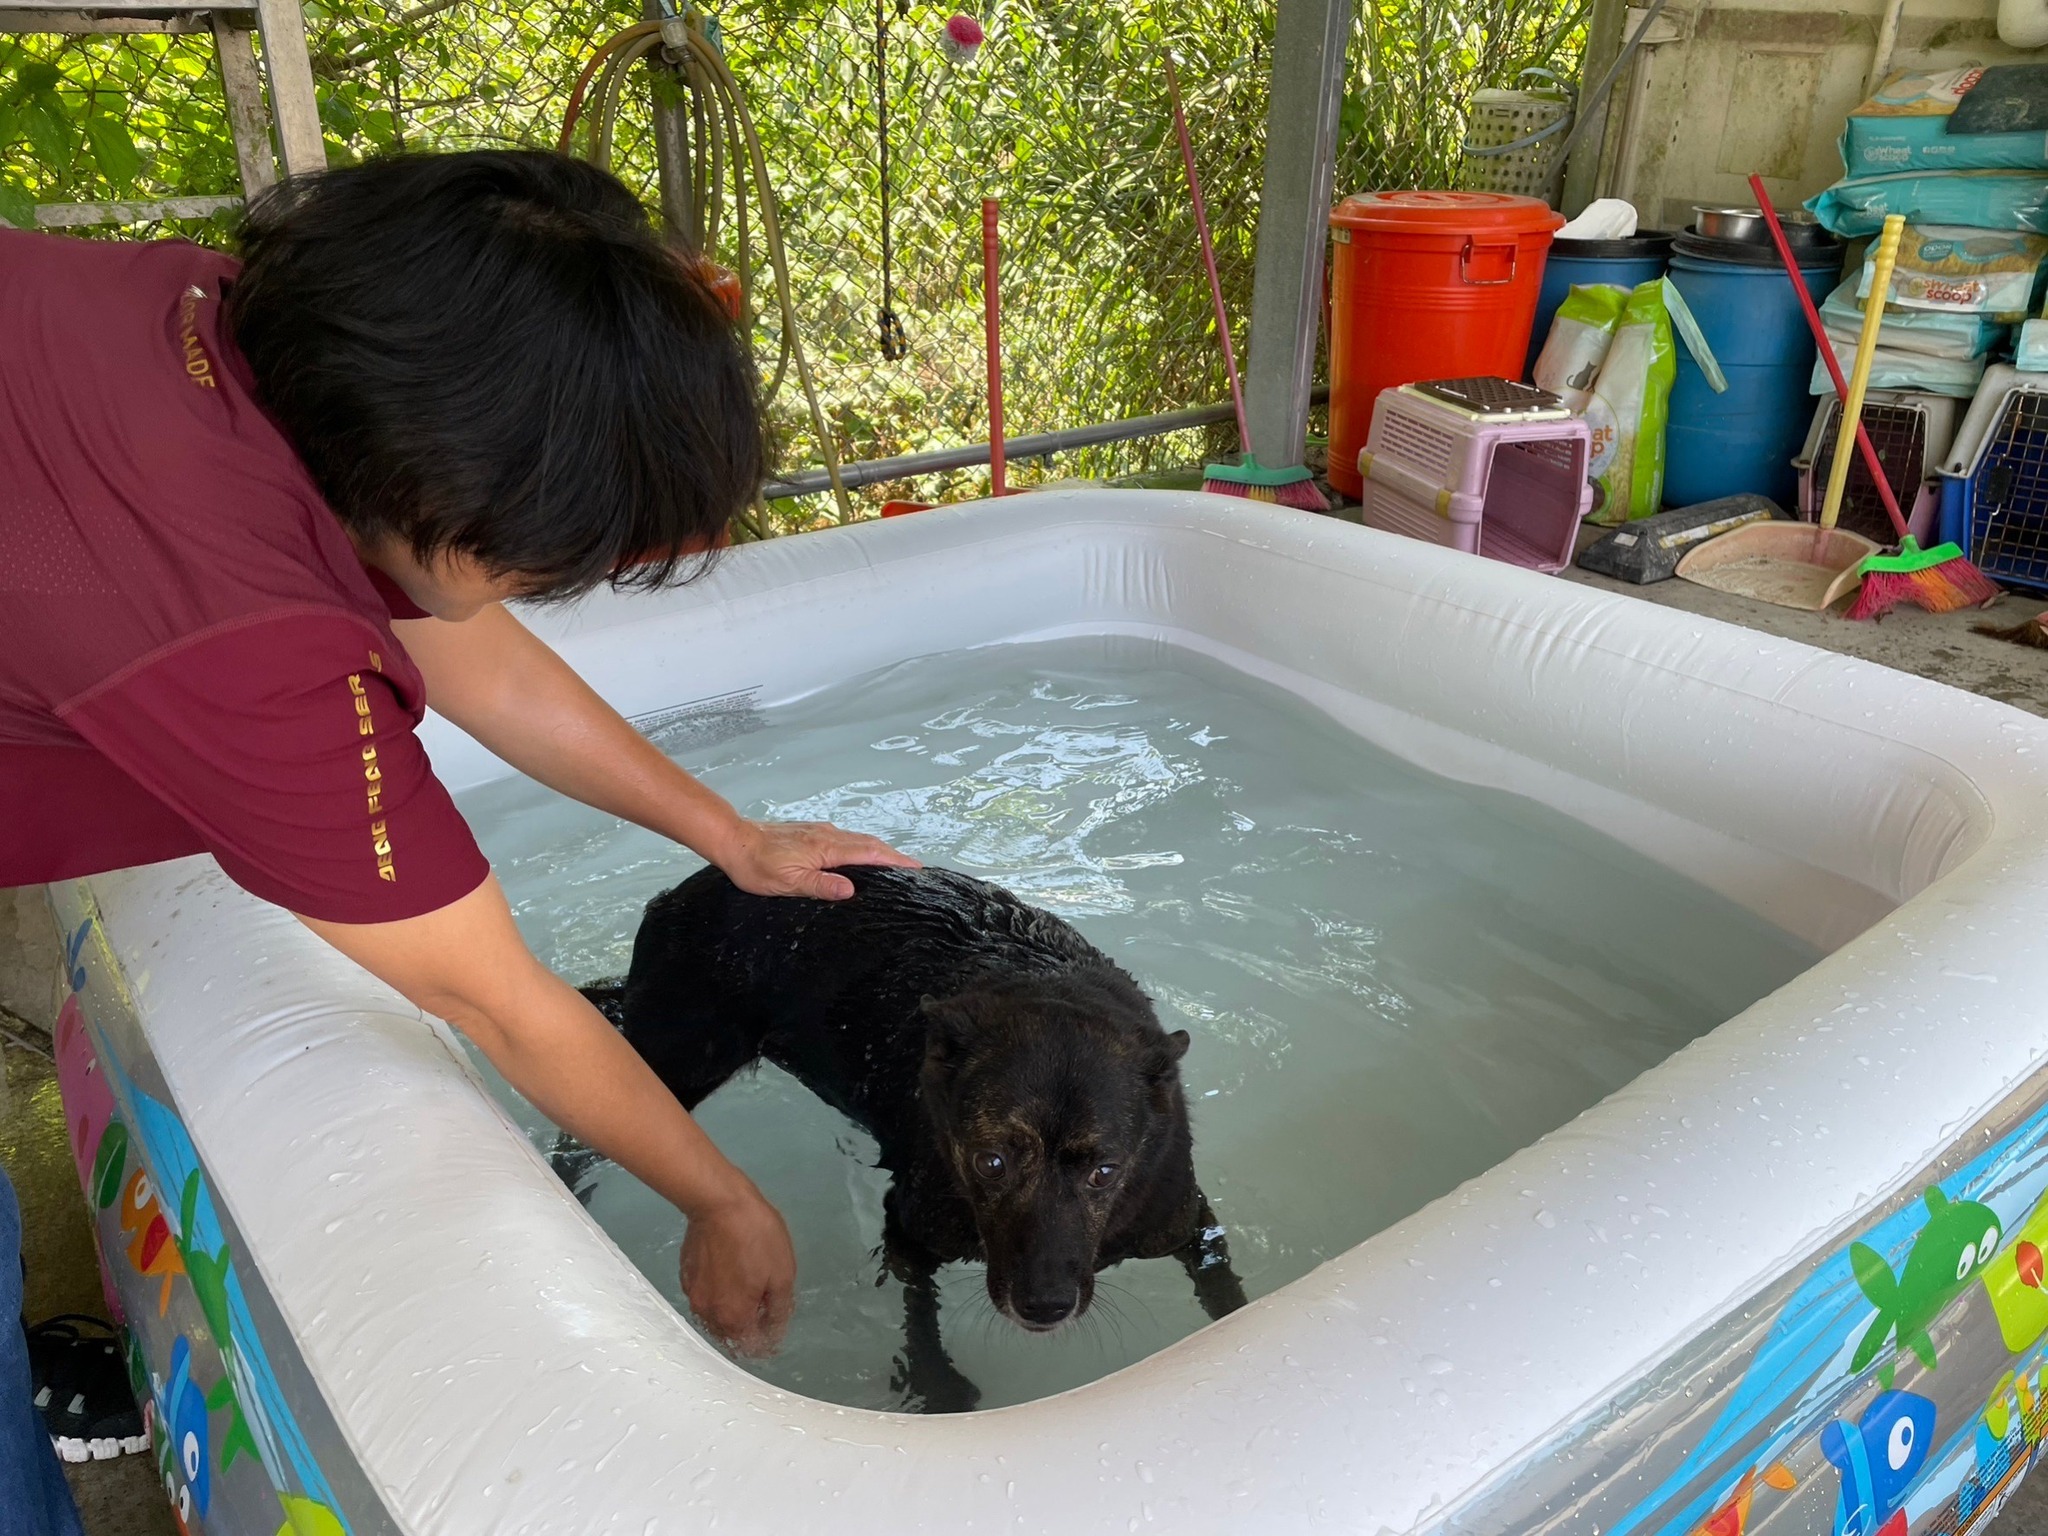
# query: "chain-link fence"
[1062,116]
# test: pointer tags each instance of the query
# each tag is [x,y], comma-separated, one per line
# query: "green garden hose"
[719,116]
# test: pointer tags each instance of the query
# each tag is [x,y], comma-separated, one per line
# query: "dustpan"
[1794,565]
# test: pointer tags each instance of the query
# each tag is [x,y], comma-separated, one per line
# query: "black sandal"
[80,1383]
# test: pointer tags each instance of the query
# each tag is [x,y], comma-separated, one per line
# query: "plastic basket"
[1995,481]
[1512,138]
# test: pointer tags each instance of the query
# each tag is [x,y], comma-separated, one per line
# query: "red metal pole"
[1187,160]
[993,309]
[1826,348]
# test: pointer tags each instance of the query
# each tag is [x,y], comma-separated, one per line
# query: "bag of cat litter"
[1964,271]
[1577,345]
[1904,127]
[1890,369]
[2031,353]
[1931,332]
[1857,206]
[1629,409]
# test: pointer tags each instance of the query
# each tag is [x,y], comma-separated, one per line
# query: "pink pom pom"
[962,37]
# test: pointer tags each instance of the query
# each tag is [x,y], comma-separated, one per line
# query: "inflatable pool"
[1794,1275]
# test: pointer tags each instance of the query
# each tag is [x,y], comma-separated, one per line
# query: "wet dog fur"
[1025,1100]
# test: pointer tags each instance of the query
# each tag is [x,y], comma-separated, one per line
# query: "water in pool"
[1392,980]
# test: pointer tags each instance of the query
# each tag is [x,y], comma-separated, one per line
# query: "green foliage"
[1063,117]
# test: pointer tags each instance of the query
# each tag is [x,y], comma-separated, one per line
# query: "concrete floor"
[122,1498]
[1940,646]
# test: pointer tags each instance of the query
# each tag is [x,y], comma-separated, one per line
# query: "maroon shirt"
[191,657]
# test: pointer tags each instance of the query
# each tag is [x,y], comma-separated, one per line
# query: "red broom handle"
[992,307]
[1827,351]
[1187,160]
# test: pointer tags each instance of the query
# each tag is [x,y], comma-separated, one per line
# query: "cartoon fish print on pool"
[1732,1518]
[1959,1239]
[159,1140]
[99,1141]
[89,1108]
[150,1246]
[208,1273]
[1878,1458]
[108,1164]
[181,1409]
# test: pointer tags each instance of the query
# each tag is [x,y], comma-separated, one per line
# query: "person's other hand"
[791,858]
[739,1273]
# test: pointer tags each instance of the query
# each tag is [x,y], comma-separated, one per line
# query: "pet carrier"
[1492,474]
[1995,482]
[1912,433]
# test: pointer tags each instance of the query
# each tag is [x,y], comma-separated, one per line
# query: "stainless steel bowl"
[1731,223]
[1747,224]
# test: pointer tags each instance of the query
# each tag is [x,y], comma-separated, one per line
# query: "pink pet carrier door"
[1510,488]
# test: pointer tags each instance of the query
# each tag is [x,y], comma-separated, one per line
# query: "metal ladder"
[282,131]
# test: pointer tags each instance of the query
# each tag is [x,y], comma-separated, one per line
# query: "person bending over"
[256,515]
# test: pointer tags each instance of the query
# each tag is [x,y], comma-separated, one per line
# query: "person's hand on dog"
[739,1272]
[792,858]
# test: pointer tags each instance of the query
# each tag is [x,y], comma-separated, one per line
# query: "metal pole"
[1604,28]
[992,324]
[671,138]
[931,461]
[1294,223]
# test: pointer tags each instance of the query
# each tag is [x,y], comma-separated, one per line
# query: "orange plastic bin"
[1426,285]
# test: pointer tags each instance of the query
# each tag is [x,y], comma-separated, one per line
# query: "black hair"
[494,354]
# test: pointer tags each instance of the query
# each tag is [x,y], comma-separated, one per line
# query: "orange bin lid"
[1446,213]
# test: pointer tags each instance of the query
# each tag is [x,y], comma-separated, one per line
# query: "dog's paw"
[934,1387]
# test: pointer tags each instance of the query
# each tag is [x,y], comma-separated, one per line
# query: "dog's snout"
[1047,1311]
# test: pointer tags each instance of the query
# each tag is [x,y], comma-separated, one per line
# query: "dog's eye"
[1102,1175]
[990,1165]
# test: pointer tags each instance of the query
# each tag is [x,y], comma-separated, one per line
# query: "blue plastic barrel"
[1573,263]
[1745,439]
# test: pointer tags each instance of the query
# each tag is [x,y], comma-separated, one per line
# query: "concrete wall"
[1726,87]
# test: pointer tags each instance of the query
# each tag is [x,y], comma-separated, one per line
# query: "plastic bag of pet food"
[1629,408]
[2030,353]
[1932,332]
[1963,271]
[1892,369]
[1904,127]
[1980,199]
[1569,364]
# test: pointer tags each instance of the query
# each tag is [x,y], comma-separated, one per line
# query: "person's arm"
[507,688]
[466,963]
[294,758]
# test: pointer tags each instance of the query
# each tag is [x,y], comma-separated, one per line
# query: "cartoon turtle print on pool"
[1959,1239]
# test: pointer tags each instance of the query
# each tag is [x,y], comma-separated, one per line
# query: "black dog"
[1025,1099]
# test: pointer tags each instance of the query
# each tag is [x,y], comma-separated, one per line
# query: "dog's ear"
[947,1025]
[1165,1057]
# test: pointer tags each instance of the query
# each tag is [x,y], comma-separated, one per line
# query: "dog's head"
[1057,1103]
